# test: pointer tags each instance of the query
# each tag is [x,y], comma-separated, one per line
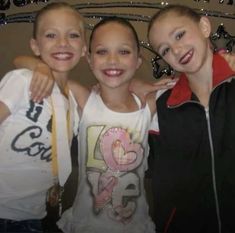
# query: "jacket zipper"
[212,160]
[212,150]
[213,170]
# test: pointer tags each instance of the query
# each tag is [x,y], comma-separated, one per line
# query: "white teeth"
[186,57]
[113,72]
[62,55]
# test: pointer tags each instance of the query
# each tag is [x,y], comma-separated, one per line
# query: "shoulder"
[14,89]
[18,74]
[23,72]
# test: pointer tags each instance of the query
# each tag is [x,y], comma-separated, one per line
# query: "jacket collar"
[182,92]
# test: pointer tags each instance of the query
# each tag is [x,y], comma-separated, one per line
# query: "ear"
[84,51]
[88,58]
[139,62]
[205,26]
[34,47]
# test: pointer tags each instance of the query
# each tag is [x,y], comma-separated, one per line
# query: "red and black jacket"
[194,157]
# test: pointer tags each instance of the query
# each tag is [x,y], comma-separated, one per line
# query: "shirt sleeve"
[14,89]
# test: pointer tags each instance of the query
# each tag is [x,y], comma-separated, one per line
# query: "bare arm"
[42,80]
[81,93]
[4,112]
[29,62]
[143,88]
[230,58]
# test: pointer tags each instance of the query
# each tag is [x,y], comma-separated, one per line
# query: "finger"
[222,51]
[40,94]
[44,91]
[230,58]
[38,90]
[37,79]
[166,83]
[36,85]
[31,87]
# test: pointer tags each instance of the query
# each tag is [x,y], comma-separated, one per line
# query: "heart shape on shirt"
[119,152]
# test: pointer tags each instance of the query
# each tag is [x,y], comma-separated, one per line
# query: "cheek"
[76,44]
[78,52]
[94,63]
[192,36]
[44,48]
[131,61]
[171,61]
[190,39]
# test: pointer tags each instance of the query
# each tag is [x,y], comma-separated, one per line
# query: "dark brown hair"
[118,20]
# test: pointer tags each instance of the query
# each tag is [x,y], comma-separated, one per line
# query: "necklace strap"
[60,139]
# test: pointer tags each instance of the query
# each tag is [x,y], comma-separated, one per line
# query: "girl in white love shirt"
[113,140]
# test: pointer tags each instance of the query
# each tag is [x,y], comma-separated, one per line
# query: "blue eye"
[101,52]
[74,35]
[50,35]
[180,35]
[124,52]
[164,52]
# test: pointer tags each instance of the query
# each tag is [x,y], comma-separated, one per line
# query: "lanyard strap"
[54,163]
[54,152]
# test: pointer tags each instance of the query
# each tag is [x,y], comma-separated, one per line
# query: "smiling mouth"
[63,56]
[186,58]
[113,72]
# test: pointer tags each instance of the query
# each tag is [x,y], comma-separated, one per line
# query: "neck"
[201,82]
[118,99]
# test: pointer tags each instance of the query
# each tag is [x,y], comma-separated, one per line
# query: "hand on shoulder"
[230,58]
[143,88]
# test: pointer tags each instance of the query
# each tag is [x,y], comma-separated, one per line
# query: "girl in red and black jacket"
[193,147]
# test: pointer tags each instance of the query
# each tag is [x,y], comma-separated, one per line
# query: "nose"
[63,41]
[113,58]
[176,48]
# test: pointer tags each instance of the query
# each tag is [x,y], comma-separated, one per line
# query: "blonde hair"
[55,6]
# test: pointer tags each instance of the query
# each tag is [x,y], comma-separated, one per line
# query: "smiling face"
[59,39]
[114,55]
[181,41]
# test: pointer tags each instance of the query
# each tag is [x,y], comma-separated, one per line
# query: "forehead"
[172,18]
[169,22]
[61,17]
[115,30]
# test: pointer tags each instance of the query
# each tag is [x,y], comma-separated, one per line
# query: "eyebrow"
[170,34]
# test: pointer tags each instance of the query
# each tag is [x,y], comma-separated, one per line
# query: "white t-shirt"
[113,150]
[25,145]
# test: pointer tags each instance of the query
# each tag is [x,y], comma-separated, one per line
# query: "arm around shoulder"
[42,82]
[230,58]
[144,89]
[80,92]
